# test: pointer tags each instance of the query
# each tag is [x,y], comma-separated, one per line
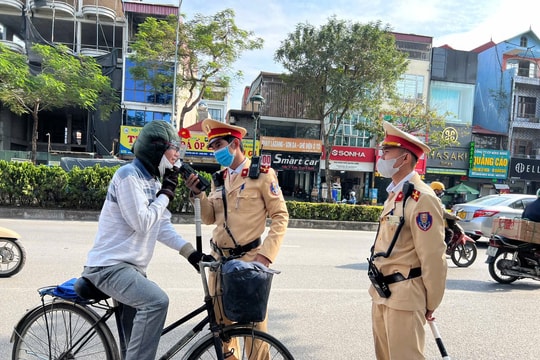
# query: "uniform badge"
[424,220]
[415,195]
[265,169]
[399,196]
[274,188]
[244,172]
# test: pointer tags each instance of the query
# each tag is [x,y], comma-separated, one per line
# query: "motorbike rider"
[439,189]
[532,211]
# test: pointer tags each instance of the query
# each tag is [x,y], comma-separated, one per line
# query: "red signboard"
[350,154]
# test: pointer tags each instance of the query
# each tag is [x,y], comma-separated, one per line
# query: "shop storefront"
[524,175]
[351,170]
[296,162]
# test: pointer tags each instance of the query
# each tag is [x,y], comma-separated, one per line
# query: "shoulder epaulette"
[265,169]
[415,195]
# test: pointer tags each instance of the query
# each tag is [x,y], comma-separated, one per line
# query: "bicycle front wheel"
[242,344]
[62,330]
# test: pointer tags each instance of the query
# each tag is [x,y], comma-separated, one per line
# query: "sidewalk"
[82,215]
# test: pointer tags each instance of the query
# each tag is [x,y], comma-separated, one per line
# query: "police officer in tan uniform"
[415,269]
[248,202]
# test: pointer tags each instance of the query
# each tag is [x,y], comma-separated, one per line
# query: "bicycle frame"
[110,310]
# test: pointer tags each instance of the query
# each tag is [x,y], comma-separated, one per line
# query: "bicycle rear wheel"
[63,330]
[251,345]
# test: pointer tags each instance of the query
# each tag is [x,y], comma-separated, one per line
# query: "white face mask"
[386,167]
[164,164]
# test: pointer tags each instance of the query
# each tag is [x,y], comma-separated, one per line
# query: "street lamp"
[257,98]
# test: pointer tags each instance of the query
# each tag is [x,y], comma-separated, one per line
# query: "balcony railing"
[527,80]
[530,122]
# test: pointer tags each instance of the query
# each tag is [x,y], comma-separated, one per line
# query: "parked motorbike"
[12,253]
[510,260]
[461,247]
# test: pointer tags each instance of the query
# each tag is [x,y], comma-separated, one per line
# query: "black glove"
[169,184]
[196,257]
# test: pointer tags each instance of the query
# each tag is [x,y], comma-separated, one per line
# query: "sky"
[462,24]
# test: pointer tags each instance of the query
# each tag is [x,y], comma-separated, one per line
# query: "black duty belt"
[397,277]
[237,251]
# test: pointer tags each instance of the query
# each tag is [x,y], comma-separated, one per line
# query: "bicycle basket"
[246,288]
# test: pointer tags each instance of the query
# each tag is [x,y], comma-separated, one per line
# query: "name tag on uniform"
[391,219]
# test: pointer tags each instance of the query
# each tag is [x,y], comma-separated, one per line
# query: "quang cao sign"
[489,164]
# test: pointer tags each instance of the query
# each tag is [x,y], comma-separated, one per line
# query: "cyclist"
[239,204]
[134,216]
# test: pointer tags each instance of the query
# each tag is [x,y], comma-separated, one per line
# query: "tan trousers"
[398,335]
[255,350]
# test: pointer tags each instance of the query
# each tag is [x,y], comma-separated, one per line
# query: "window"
[457,99]
[348,135]
[526,107]
[140,91]
[410,87]
[523,41]
[415,50]
[215,114]
[141,117]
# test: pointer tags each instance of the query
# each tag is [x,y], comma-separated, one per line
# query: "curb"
[82,215]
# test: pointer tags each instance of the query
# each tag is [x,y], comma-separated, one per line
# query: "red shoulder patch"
[265,169]
[244,172]
[415,195]
[399,196]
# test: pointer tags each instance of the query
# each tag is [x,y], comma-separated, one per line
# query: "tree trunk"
[34,135]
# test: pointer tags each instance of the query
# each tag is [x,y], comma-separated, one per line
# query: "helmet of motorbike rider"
[154,139]
[538,193]
[438,188]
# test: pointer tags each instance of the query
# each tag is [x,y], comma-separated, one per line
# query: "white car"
[477,215]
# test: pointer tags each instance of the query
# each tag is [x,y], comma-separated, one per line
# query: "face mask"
[164,164]
[224,157]
[386,167]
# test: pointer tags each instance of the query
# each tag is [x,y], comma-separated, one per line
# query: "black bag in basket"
[246,288]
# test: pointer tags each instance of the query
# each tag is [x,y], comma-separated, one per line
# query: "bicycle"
[63,329]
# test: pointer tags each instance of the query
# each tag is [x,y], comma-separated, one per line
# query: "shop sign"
[348,166]
[128,135]
[525,169]
[350,154]
[295,161]
[451,158]
[488,163]
[292,145]
[195,145]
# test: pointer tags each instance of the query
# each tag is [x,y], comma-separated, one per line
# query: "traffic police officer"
[415,269]
[239,204]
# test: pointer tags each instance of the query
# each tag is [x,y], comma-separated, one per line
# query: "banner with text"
[489,163]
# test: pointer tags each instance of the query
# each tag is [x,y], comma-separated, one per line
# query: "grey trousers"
[128,285]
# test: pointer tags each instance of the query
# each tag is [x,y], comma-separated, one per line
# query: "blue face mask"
[224,156]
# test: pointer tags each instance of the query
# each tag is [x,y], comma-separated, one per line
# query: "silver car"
[477,215]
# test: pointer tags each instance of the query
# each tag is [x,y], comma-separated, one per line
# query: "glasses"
[173,145]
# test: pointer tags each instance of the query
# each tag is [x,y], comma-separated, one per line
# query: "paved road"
[319,305]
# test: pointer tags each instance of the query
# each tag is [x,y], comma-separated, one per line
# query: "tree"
[415,117]
[207,48]
[64,81]
[342,68]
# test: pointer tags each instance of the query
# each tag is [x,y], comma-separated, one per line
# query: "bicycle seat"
[85,289]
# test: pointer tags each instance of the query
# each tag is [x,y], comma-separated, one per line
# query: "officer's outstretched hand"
[197,256]
[169,184]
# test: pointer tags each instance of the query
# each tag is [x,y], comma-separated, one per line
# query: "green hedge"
[28,185]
